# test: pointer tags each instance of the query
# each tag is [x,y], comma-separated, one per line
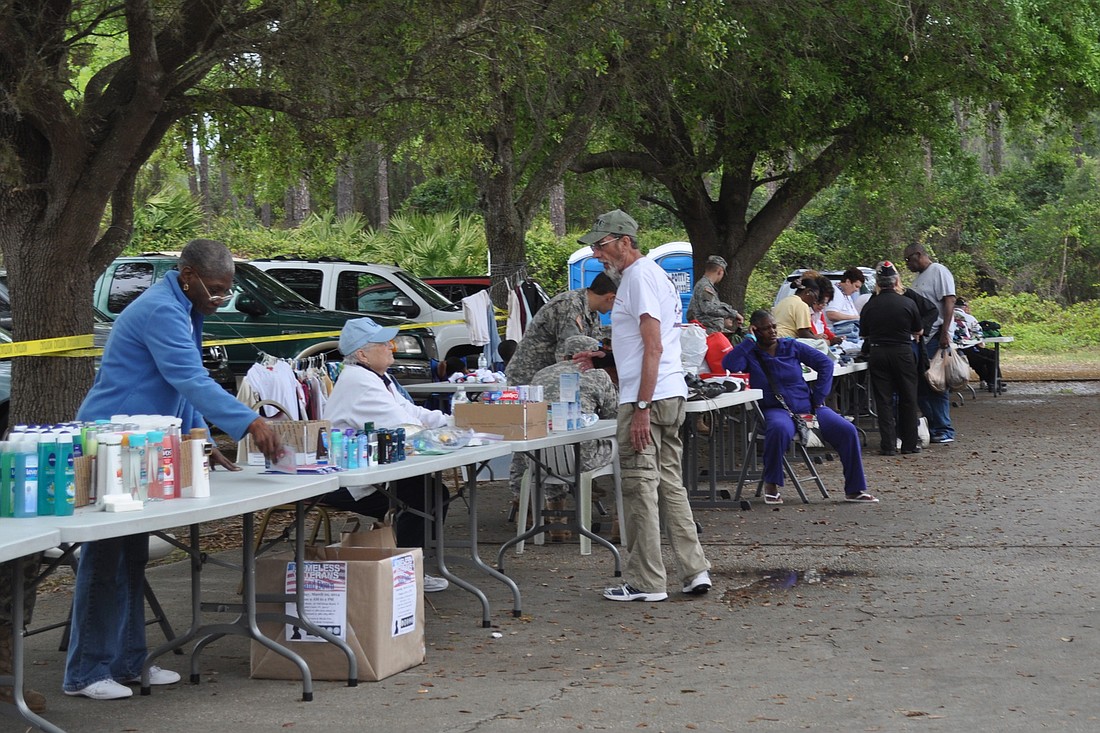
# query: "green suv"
[261,307]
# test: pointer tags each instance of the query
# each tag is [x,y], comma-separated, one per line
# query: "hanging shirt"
[278,383]
[474,310]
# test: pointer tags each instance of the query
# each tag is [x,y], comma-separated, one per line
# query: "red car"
[457,287]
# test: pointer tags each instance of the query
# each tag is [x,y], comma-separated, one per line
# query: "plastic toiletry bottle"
[460,397]
[172,457]
[200,464]
[139,467]
[351,447]
[7,480]
[65,476]
[29,455]
[336,445]
[154,456]
[47,468]
[109,467]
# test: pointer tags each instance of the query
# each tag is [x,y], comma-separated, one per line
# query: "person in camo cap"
[705,305]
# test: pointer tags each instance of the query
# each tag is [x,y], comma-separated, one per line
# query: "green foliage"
[446,243]
[1041,326]
[439,195]
[440,244]
[166,222]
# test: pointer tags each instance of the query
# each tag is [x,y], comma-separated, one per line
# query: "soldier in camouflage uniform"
[573,313]
[705,305]
[35,701]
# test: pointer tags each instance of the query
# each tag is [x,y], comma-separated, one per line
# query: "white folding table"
[426,465]
[18,539]
[532,449]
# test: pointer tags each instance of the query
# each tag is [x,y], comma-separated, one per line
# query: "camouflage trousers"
[30,572]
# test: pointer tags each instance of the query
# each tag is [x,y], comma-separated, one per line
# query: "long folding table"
[232,493]
[18,539]
[433,466]
[533,449]
[726,441]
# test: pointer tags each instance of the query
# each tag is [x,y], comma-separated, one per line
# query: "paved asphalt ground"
[965,601]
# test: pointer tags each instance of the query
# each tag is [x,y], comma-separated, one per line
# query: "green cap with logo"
[613,222]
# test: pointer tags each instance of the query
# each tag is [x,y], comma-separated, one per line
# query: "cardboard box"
[521,421]
[304,435]
[375,594]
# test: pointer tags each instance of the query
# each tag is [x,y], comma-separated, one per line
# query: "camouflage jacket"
[598,395]
[565,315]
[707,308]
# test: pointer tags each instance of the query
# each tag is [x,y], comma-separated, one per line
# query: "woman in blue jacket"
[764,353]
[152,365]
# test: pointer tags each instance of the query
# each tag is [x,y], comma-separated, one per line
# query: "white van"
[372,289]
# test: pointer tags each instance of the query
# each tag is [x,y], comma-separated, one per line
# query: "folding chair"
[756,437]
[560,462]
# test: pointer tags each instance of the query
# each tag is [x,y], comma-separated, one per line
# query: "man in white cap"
[652,392]
[705,305]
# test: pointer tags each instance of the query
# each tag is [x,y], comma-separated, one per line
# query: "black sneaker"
[625,592]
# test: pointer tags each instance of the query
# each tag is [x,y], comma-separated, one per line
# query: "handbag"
[805,426]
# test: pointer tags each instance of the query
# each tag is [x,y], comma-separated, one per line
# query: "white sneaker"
[103,690]
[433,584]
[698,585]
[157,676]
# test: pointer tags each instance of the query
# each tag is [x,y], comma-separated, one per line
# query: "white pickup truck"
[371,289]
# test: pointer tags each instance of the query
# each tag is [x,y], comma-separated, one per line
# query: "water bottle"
[482,361]
[460,397]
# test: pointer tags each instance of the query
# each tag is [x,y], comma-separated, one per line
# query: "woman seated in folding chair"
[775,366]
[366,393]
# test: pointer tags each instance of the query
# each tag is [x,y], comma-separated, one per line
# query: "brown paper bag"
[384,623]
[378,534]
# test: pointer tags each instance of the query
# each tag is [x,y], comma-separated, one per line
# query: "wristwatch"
[642,405]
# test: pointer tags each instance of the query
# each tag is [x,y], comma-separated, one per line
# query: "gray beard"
[613,272]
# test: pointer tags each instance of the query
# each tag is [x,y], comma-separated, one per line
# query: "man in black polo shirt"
[888,322]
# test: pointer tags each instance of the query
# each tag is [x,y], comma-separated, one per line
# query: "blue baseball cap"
[362,332]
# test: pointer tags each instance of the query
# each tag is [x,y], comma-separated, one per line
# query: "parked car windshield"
[433,297]
[270,289]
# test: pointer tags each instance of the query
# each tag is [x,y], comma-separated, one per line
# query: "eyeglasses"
[218,300]
[603,243]
[911,256]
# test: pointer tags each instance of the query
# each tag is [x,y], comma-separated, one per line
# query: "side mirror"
[404,305]
[248,305]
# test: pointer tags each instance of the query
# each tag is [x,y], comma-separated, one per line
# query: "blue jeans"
[108,624]
[835,430]
[936,406]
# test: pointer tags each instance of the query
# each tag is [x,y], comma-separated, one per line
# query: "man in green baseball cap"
[613,222]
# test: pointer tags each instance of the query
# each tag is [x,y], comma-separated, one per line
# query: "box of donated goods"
[370,597]
[517,421]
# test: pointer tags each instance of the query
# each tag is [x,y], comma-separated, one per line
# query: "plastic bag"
[948,370]
[693,347]
[435,441]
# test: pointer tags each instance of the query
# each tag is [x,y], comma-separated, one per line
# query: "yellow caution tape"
[45,347]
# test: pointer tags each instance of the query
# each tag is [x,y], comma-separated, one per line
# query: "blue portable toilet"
[675,258]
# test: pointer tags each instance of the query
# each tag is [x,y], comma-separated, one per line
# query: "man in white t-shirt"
[652,391]
[841,311]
